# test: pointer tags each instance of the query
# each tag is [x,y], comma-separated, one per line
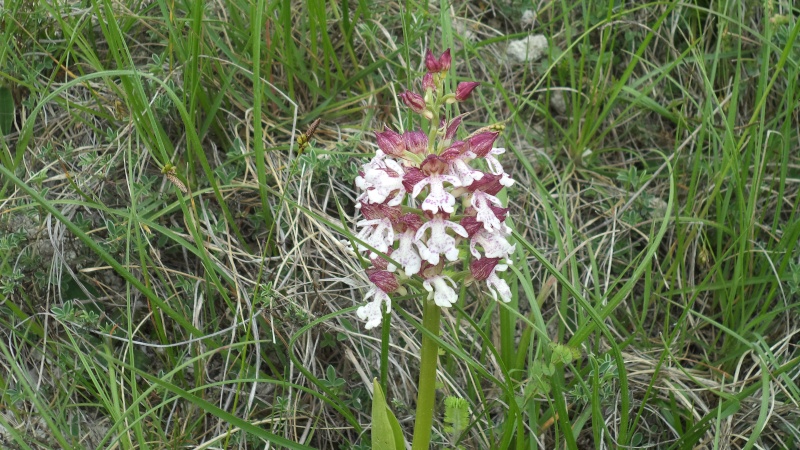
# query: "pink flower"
[438,198]
[482,202]
[380,179]
[458,157]
[464,89]
[414,101]
[486,269]
[371,312]
[494,244]
[405,254]
[440,291]
[439,242]
[441,64]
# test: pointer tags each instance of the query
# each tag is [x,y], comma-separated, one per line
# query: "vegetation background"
[172,273]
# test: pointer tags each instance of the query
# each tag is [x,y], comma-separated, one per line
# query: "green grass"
[657,293]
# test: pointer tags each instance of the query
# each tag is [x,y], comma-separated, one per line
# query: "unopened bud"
[464,89]
[414,101]
[390,142]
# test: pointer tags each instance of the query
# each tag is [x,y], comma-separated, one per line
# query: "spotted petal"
[372,311]
[440,291]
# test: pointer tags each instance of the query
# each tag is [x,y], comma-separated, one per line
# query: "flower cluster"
[427,207]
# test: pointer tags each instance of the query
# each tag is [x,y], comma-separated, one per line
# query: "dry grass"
[709,333]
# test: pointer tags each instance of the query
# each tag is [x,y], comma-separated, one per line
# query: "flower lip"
[441,291]
[372,312]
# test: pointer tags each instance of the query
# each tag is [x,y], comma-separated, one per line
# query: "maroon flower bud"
[413,101]
[416,141]
[445,60]
[410,220]
[452,127]
[380,263]
[481,144]
[433,164]
[412,177]
[482,268]
[435,65]
[428,82]
[431,63]
[373,211]
[471,224]
[489,183]
[385,281]
[499,212]
[390,142]
[455,150]
[464,89]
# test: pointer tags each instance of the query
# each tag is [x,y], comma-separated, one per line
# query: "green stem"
[426,394]
[385,333]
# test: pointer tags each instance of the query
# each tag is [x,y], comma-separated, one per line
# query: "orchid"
[436,215]
[428,206]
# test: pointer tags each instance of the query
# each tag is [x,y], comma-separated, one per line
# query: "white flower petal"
[498,288]
[438,198]
[378,233]
[405,254]
[485,215]
[440,291]
[465,174]
[494,165]
[494,243]
[372,312]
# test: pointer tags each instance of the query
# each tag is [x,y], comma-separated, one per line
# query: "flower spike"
[426,205]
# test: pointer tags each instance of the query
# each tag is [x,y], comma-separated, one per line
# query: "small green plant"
[606,375]
[456,416]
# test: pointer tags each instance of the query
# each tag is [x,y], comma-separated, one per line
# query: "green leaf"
[6,110]
[456,415]
[386,432]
